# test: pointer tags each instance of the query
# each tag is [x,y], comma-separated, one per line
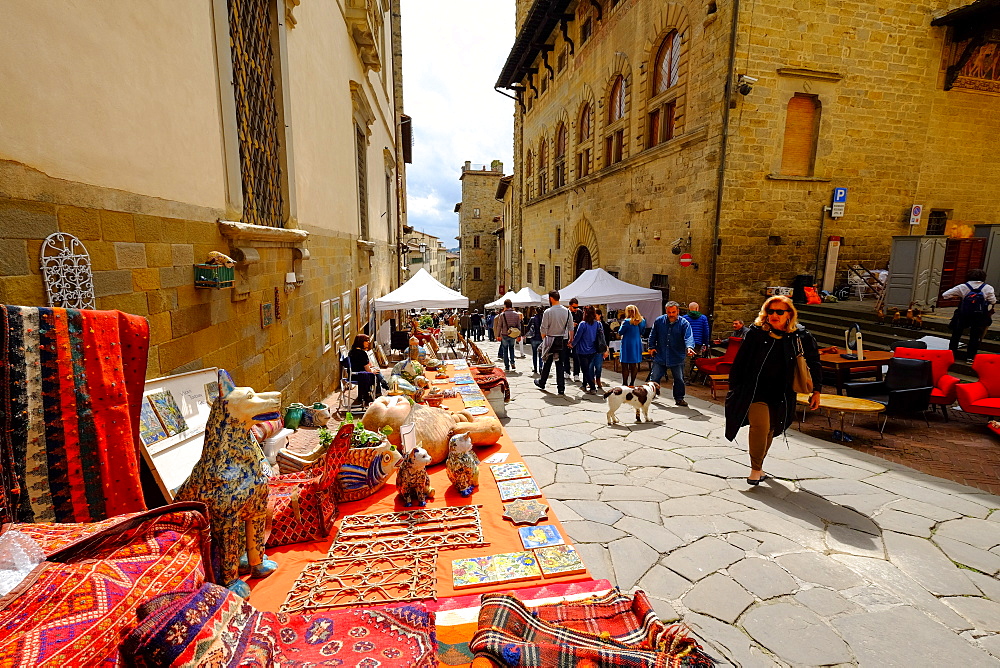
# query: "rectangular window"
[542,182]
[475,241]
[557,278]
[798,152]
[669,112]
[937,221]
[653,134]
[541,275]
[560,174]
[545,83]
[527,272]
[579,165]
[475,213]
[476,275]
[558,238]
[609,147]
[561,62]
[586,30]
[619,145]
[388,207]
[360,145]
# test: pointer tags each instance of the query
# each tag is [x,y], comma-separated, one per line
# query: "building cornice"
[541,20]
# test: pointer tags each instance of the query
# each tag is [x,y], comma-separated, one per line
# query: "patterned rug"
[212,626]
[511,634]
[76,608]
[72,384]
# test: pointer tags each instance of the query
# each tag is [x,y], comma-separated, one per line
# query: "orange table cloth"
[269,593]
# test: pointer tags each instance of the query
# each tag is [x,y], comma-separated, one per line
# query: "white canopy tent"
[523,297]
[596,286]
[422,291]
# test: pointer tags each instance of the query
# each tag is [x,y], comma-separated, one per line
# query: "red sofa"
[982,397]
[943,394]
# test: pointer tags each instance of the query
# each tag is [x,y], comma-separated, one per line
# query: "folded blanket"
[629,635]
[212,626]
[69,414]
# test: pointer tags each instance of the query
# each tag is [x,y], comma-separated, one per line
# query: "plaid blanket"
[630,635]
[495,378]
[212,626]
[72,384]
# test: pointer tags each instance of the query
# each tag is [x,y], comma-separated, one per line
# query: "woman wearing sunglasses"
[760,380]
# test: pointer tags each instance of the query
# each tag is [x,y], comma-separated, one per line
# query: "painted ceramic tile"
[559,560]
[469,390]
[474,402]
[543,535]
[463,380]
[211,392]
[477,410]
[509,567]
[510,471]
[168,412]
[522,488]
[150,429]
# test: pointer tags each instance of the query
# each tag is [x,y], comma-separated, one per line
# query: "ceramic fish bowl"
[366,470]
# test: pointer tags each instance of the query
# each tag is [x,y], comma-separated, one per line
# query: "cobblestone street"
[841,558]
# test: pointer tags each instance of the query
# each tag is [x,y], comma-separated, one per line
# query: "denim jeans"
[598,366]
[507,351]
[587,364]
[535,361]
[659,372]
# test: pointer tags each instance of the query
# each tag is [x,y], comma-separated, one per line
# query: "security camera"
[745,84]
[675,247]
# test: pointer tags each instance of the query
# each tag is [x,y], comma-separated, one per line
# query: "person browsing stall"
[367,375]
[557,336]
[670,343]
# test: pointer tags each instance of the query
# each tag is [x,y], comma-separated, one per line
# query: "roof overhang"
[542,19]
[974,18]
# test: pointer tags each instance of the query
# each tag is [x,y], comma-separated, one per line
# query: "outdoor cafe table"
[835,403]
[841,366]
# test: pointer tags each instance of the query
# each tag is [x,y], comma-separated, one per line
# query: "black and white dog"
[640,398]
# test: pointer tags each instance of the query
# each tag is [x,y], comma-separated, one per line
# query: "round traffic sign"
[686,260]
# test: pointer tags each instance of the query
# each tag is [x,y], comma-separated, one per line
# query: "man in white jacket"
[557,334]
[974,312]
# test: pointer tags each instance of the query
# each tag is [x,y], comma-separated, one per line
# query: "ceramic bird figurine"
[895,317]
[918,319]
[880,314]
[221,259]
[412,481]
[462,464]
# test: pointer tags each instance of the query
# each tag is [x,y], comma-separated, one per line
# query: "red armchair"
[943,394]
[711,366]
[982,397]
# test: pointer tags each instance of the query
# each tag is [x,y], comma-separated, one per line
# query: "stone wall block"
[159,328]
[132,302]
[82,223]
[130,255]
[27,220]
[183,254]
[159,255]
[22,290]
[108,283]
[14,258]
[152,228]
[188,295]
[161,300]
[172,277]
[117,226]
[185,321]
[144,280]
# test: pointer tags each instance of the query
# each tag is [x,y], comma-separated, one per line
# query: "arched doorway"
[583,261]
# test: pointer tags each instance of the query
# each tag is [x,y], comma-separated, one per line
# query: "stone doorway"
[583,261]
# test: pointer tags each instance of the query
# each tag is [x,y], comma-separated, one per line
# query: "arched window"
[529,166]
[584,144]
[616,101]
[665,92]
[798,152]
[560,161]
[585,122]
[543,163]
[666,63]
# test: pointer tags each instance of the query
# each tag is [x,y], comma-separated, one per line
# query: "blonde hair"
[793,320]
[633,315]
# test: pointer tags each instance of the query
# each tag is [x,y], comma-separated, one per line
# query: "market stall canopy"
[523,297]
[422,291]
[596,286]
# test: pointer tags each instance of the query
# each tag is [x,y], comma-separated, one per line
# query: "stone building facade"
[155,161]
[632,113]
[479,218]
[426,251]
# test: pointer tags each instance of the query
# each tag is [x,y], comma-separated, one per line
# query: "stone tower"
[479,217]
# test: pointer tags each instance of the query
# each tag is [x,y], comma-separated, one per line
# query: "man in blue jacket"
[670,342]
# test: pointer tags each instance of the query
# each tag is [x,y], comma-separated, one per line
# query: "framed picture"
[338,333]
[335,309]
[363,305]
[345,305]
[327,325]
[211,392]
[348,332]
[266,315]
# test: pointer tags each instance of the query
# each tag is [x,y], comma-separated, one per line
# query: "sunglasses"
[777,311]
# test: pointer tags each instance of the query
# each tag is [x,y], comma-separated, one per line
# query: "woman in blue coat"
[631,335]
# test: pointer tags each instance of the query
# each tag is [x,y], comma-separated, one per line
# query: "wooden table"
[840,366]
[718,382]
[835,403]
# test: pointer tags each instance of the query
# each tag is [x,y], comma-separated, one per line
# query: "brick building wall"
[479,214]
[887,131]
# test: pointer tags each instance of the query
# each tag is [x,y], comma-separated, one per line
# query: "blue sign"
[839,195]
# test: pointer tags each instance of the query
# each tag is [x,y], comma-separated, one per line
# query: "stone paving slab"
[841,559]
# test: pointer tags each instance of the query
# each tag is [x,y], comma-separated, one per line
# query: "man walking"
[557,336]
[577,313]
[508,320]
[669,342]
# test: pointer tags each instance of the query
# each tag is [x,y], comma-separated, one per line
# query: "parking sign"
[839,201]
[915,213]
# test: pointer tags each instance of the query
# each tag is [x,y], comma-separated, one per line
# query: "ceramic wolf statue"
[231,479]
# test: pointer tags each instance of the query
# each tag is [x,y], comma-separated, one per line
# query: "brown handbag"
[802,381]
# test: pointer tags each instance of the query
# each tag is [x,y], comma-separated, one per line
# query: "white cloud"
[453,51]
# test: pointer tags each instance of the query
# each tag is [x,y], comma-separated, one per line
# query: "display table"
[840,366]
[269,593]
[835,403]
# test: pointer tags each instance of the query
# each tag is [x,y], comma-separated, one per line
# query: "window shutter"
[799,147]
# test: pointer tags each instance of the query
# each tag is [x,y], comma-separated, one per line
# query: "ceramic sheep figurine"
[412,481]
[462,464]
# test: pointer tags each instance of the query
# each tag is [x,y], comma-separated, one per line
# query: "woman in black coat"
[760,380]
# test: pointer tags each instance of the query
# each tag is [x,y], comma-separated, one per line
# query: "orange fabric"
[812,297]
[269,593]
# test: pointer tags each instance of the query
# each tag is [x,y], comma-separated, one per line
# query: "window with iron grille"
[541,275]
[527,272]
[476,274]
[361,146]
[475,241]
[557,278]
[251,33]
[558,238]
[937,221]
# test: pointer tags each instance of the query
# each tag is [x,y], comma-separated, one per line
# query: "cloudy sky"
[453,51]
